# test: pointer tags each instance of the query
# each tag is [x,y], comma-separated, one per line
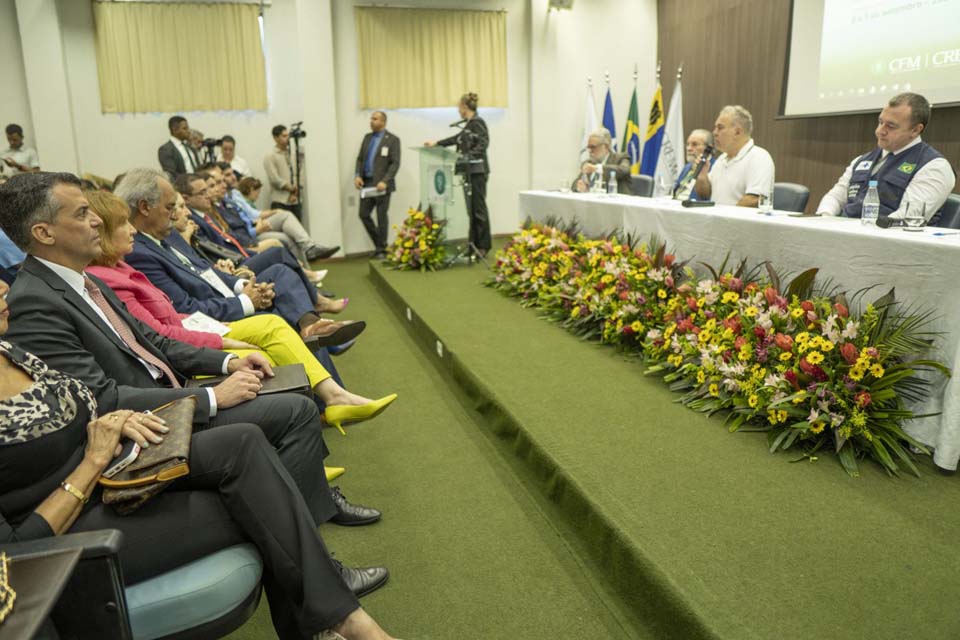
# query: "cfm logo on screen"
[440,182]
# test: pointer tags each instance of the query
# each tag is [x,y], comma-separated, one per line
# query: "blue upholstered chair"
[789,196]
[208,598]
[950,213]
[641,185]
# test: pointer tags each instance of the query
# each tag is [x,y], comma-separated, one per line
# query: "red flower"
[668,259]
[685,288]
[750,288]
[849,352]
[813,371]
[668,281]
[734,325]
[841,310]
[624,295]
[784,341]
[627,330]
[791,377]
[759,332]
[685,325]
[771,295]
[692,303]
[873,352]
[863,399]
[735,284]
[807,306]
[739,342]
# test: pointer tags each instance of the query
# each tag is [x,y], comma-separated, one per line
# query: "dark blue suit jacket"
[187,290]
[207,232]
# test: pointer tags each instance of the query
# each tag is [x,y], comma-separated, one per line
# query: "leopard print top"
[46,406]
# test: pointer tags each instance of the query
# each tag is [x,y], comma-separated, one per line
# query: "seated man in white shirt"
[744,171]
[905,167]
[18,158]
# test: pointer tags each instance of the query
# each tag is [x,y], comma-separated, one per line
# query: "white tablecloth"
[923,268]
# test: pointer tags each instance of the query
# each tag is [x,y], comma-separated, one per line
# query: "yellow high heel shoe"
[333,473]
[338,414]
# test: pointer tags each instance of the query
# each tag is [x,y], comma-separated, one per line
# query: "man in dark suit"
[175,155]
[76,325]
[377,166]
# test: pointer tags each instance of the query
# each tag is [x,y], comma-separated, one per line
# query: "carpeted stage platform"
[688,531]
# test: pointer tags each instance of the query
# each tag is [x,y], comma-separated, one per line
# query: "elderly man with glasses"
[602,162]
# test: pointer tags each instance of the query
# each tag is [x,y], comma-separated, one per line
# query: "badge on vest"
[864,166]
[907,167]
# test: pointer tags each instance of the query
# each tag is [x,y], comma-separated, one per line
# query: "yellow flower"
[436,226]
[676,360]
[786,355]
[661,294]
[797,313]
[857,373]
[816,427]
[876,370]
[781,416]
[714,389]
[814,357]
[750,312]
[730,296]
[711,324]
[772,416]
[636,326]
[802,337]
[701,376]
[607,278]
[800,398]
[575,311]
[826,345]
[701,302]
[408,244]
[668,331]
[753,401]
[745,354]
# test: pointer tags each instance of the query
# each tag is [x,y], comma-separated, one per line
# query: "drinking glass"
[765,203]
[914,215]
[663,188]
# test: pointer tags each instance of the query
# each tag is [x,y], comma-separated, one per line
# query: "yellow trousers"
[278,341]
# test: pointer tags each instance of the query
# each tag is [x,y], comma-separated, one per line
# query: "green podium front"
[442,190]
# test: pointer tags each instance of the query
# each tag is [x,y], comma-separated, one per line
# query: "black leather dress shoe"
[316,252]
[363,580]
[351,515]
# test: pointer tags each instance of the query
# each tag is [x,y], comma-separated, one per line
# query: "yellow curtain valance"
[430,57]
[179,57]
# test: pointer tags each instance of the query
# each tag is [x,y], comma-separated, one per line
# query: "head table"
[924,268]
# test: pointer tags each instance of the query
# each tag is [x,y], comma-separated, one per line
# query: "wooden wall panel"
[733,52]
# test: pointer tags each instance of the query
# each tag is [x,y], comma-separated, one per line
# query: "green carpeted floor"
[471,553]
[697,532]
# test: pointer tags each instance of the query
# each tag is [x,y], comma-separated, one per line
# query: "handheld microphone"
[707,152]
[459,122]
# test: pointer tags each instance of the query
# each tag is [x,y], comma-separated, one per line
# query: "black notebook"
[291,378]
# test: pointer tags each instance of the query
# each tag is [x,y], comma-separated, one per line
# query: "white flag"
[589,123]
[672,149]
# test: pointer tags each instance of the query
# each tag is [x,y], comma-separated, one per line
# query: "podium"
[442,190]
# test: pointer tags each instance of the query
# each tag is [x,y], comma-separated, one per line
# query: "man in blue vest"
[905,167]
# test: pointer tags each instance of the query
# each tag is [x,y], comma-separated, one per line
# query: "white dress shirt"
[748,172]
[24,156]
[74,280]
[930,185]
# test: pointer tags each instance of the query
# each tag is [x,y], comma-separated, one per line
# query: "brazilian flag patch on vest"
[907,167]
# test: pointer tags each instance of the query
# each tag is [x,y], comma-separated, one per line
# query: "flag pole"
[679,72]
[607,75]
[636,73]
[658,71]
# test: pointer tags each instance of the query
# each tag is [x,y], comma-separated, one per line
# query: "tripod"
[470,250]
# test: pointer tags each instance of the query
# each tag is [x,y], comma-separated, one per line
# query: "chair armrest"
[95,544]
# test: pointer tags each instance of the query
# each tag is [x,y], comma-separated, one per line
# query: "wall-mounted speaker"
[561,4]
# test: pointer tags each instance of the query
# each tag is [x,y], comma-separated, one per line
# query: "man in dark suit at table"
[77,325]
[175,155]
[377,166]
[602,162]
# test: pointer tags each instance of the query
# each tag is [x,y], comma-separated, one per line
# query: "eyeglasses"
[594,147]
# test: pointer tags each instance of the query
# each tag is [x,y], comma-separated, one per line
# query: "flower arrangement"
[792,360]
[419,243]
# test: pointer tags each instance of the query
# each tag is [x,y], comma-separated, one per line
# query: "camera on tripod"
[296,132]
[212,142]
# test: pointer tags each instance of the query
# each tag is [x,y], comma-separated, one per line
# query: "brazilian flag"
[631,136]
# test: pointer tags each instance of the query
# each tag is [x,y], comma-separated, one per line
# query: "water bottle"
[871,205]
[612,182]
[598,179]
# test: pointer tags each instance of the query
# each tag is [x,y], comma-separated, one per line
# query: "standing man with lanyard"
[277,164]
[472,144]
[377,165]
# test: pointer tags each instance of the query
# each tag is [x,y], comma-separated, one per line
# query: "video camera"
[212,142]
[296,132]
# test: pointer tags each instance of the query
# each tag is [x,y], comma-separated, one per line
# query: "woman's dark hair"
[469,100]
[248,185]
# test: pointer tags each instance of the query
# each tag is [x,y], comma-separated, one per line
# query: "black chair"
[641,185]
[950,213]
[207,598]
[789,196]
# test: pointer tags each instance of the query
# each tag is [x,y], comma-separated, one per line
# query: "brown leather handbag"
[157,465]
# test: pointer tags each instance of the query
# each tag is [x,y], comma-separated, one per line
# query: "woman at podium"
[472,142]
